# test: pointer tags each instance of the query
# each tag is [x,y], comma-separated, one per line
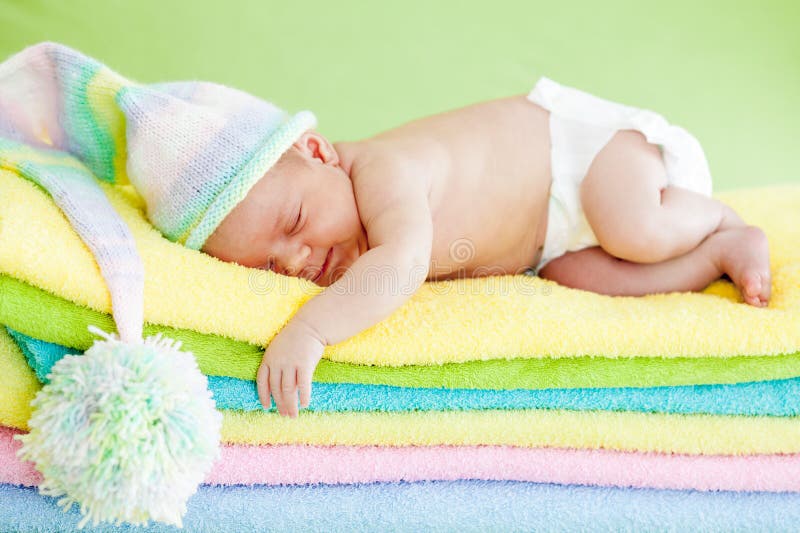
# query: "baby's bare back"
[487,171]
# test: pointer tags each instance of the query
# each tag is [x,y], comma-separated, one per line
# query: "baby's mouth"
[324,267]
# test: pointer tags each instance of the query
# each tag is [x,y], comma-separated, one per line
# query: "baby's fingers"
[262,385]
[304,375]
[275,388]
[289,391]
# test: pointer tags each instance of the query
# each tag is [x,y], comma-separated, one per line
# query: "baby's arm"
[399,229]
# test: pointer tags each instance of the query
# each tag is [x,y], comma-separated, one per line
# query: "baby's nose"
[297,260]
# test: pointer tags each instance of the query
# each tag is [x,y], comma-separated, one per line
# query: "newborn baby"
[583,191]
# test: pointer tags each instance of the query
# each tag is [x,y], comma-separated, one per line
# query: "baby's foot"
[743,254]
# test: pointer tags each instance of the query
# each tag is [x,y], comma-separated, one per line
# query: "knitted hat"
[107,426]
[195,149]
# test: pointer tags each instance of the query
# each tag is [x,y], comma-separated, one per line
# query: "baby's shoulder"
[383,171]
[384,183]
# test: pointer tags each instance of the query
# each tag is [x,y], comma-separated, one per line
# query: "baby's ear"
[314,146]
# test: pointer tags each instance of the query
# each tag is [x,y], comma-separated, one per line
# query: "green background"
[728,71]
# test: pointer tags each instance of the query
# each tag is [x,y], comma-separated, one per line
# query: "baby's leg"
[738,252]
[633,212]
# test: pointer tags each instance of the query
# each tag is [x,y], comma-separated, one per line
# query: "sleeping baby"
[580,190]
[558,183]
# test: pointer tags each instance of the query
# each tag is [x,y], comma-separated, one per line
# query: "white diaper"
[580,126]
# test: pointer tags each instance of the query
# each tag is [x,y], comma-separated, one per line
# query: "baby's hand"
[287,367]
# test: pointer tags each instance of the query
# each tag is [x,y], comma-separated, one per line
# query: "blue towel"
[766,398]
[436,506]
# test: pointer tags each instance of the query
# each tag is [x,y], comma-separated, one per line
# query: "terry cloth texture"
[41,315]
[765,398]
[437,506]
[454,321]
[296,465]
[617,430]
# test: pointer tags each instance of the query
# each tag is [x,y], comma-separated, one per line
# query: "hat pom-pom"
[127,431]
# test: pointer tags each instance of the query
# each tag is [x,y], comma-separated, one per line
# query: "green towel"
[42,315]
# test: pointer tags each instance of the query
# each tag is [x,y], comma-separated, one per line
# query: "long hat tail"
[61,128]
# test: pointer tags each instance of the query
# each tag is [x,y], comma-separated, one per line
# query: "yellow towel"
[461,320]
[692,434]
[18,384]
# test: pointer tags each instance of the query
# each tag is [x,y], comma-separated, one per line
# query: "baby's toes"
[751,287]
[766,288]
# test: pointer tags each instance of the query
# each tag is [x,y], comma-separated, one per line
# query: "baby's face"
[300,220]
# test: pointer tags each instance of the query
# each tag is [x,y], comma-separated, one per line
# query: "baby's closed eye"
[299,221]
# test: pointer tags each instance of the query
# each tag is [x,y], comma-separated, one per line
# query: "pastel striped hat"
[195,149]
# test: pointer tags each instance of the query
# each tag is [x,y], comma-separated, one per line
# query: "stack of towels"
[501,403]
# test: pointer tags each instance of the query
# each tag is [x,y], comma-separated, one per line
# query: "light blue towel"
[436,506]
[766,398]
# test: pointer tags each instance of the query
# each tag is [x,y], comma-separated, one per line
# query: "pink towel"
[298,464]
